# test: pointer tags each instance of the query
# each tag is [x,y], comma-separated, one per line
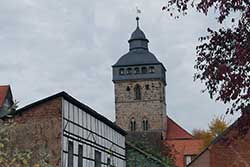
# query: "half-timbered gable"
[90,139]
[61,131]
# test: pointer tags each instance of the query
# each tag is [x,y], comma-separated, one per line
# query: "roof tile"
[175,131]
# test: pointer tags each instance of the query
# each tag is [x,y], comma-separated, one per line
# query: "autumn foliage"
[215,128]
[223,57]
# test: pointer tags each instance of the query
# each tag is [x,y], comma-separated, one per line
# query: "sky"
[48,46]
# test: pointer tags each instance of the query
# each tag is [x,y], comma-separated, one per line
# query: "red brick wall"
[231,149]
[39,130]
[182,147]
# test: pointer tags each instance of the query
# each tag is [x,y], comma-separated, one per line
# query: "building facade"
[60,131]
[140,102]
[89,139]
[139,81]
[230,149]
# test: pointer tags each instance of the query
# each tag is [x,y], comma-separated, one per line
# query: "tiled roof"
[175,131]
[217,139]
[3,93]
[181,142]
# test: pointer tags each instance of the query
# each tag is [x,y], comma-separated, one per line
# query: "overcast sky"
[48,46]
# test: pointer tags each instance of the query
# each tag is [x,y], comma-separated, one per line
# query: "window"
[144,70]
[98,158]
[188,159]
[137,92]
[132,124]
[129,71]
[70,153]
[152,69]
[80,155]
[147,87]
[137,70]
[145,124]
[128,88]
[108,162]
[121,71]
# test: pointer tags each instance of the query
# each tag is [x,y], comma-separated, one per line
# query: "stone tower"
[139,81]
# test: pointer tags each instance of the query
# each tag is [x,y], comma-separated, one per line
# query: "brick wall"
[230,149]
[182,147]
[38,131]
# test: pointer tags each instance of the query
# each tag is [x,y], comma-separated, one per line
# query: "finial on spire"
[137,20]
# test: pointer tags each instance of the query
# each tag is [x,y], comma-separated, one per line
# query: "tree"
[215,128]
[223,57]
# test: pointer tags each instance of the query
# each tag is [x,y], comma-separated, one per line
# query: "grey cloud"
[49,46]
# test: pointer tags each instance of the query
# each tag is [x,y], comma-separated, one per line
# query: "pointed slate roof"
[138,50]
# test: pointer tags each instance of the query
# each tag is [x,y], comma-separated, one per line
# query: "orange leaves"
[215,128]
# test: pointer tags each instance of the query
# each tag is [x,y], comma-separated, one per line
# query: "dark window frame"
[144,70]
[108,161]
[137,92]
[70,153]
[137,70]
[128,88]
[129,71]
[151,69]
[145,125]
[121,71]
[132,125]
[80,155]
[98,158]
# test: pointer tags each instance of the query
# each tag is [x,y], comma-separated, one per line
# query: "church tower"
[139,81]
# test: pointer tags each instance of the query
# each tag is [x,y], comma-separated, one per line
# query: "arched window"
[152,69]
[129,71]
[128,88]
[132,124]
[137,70]
[137,92]
[145,124]
[144,70]
[121,71]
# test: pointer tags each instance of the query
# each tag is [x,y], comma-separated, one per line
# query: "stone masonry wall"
[151,107]
[35,132]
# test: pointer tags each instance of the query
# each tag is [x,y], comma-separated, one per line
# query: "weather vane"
[138,11]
